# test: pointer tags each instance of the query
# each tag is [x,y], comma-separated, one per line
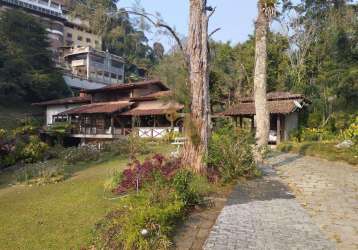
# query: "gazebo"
[283,108]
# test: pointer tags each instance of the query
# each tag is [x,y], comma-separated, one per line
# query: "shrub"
[230,152]
[41,173]
[117,147]
[137,174]
[285,147]
[143,221]
[190,187]
[81,154]
[351,133]
[34,151]
[146,220]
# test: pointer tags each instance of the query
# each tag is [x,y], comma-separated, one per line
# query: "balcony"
[100,133]
[77,63]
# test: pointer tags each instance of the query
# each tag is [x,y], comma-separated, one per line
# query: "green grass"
[55,216]
[326,150]
[62,215]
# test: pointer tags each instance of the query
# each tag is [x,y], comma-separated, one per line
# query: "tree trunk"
[260,78]
[198,126]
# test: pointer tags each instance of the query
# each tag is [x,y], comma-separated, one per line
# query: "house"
[284,108]
[63,30]
[88,68]
[113,111]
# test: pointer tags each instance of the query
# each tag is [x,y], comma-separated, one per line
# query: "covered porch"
[277,126]
[283,108]
[117,119]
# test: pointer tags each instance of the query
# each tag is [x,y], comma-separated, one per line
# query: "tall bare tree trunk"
[198,126]
[260,79]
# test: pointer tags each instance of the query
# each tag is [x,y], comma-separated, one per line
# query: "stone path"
[196,229]
[264,214]
[329,193]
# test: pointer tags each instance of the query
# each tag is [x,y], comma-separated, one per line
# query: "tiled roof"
[69,100]
[133,85]
[99,108]
[153,108]
[152,96]
[275,107]
[275,96]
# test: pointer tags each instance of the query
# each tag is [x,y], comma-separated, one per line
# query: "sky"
[234,17]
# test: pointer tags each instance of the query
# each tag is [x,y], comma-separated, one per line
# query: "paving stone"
[264,214]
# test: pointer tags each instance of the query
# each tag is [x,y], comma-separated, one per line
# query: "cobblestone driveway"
[329,193]
[263,214]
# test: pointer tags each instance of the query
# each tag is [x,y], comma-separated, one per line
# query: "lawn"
[326,150]
[55,216]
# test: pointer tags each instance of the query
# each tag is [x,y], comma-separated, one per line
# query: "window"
[116,64]
[97,59]
[88,40]
[114,76]
[79,38]
[106,74]
[69,35]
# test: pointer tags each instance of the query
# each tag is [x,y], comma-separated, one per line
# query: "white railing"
[156,132]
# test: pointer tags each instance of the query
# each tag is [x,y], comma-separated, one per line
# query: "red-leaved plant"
[139,173]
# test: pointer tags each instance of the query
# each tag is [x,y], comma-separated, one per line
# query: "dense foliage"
[137,174]
[21,145]
[27,72]
[146,219]
[231,153]
[324,54]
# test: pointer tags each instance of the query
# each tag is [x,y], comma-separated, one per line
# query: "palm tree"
[266,9]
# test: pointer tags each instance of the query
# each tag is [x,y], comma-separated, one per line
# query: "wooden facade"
[118,110]
[283,108]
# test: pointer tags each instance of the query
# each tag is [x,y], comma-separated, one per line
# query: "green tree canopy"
[26,67]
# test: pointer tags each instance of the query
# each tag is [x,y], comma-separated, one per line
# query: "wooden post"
[252,123]
[235,121]
[240,121]
[278,138]
[133,121]
[112,125]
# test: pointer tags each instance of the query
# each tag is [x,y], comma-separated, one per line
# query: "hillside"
[10,116]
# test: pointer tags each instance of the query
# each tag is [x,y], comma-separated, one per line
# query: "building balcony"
[77,63]
[99,133]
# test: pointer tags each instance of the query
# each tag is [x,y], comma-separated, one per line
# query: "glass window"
[79,38]
[116,64]
[69,35]
[97,59]
[88,40]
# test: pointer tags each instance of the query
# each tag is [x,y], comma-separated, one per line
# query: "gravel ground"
[264,214]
